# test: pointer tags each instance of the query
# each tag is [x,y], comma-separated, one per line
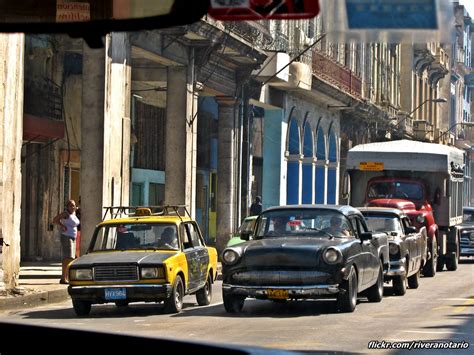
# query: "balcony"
[338,75]
[423,130]
[42,119]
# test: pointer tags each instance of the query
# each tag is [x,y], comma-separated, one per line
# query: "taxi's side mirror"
[365,236]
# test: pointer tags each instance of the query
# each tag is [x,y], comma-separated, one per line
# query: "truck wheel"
[399,285]
[441,262]
[413,280]
[82,308]
[233,303]
[174,304]
[347,299]
[375,292]
[452,261]
[429,270]
[204,295]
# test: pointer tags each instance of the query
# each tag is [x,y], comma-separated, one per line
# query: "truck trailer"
[425,180]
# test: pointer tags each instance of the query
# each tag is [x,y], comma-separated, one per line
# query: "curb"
[33,300]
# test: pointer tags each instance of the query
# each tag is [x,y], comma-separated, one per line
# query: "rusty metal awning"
[41,129]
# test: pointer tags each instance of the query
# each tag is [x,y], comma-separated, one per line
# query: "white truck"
[425,180]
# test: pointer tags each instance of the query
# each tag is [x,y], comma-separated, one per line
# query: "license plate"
[115,294]
[277,294]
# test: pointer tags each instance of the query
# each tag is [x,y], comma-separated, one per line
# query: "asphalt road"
[441,309]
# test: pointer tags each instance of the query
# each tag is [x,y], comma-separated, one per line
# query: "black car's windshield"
[385,224]
[303,222]
[395,189]
[136,236]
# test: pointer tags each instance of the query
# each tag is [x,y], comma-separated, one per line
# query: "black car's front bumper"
[397,268]
[134,293]
[294,292]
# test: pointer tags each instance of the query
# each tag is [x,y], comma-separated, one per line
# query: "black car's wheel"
[375,292]
[233,303]
[414,280]
[347,298]
[453,260]
[82,308]
[204,295]
[174,304]
[429,270]
[399,284]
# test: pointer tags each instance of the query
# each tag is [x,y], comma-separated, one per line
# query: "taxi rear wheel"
[82,308]
[204,295]
[174,304]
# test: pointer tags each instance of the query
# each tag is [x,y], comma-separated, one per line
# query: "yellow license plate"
[371,166]
[277,294]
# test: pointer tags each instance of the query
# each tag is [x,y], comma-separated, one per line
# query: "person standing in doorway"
[256,207]
[68,222]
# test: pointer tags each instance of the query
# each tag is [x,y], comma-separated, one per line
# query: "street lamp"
[463,124]
[439,100]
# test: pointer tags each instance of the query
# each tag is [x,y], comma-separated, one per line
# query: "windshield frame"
[315,230]
[106,228]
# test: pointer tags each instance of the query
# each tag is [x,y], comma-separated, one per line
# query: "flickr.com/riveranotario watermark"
[417,345]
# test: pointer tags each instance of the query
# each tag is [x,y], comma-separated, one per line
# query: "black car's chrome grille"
[116,273]
[280,277]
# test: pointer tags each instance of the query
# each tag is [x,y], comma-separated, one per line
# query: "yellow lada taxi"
[152,254]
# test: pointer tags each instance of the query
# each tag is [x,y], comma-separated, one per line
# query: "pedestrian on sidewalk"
[68,222]
[256,207]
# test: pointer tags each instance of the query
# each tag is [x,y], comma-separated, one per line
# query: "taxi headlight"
[152,273]
[420,219]
[332,256]
[393,249]
[80,274]
[230,256]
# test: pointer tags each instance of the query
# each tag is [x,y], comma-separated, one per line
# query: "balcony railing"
[43,99]
[335,73]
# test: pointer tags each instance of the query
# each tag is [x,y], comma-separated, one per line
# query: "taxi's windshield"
[136,236]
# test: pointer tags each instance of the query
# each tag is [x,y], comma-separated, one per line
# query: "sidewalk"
[38,285]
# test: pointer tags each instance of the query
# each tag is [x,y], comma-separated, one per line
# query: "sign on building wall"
[392,14]
[72,12]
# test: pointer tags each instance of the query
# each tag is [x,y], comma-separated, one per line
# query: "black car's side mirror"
[410,229]
[365,236]
[245,235]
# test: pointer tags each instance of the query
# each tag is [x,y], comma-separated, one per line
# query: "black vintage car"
[306,251]
[467,232]
[407,247]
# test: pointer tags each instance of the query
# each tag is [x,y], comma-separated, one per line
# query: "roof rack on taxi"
[140,211]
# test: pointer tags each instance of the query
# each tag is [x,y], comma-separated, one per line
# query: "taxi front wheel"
[174,304]
[82,308]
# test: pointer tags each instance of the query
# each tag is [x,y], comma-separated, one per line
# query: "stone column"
[105,131]
[225,171]
[11,135]
[181,139]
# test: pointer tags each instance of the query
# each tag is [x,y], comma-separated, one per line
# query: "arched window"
[293,166]
[307,191]
[332,171]
[320,183]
